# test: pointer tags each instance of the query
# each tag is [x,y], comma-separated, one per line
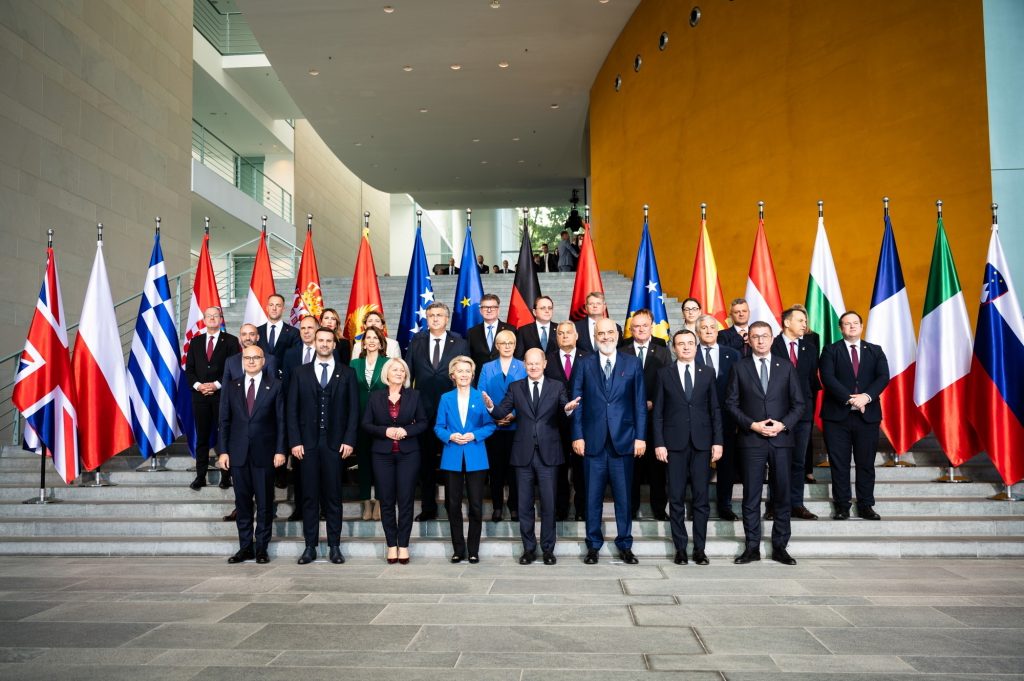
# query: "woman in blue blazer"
[495,378]
[462,425]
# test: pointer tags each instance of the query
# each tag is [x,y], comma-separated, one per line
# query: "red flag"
[261,286]
[588,278]
[762,287]
[705,284]
[365,295]
[525,288]
[308,298]
[204,295]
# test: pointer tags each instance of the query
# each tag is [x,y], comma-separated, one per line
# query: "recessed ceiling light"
[359,144]
[483,163]
[554,106]
[603,2]
[515,139]
[476,139]
[424,110]
[455,67]
[495,4]
[520,161]
[407,68]
[314,72]
[503,64]
[388,9]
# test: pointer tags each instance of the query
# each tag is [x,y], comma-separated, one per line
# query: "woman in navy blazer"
[462,425]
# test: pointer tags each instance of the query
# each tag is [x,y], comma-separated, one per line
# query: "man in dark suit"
[428,356]
[277,335]
[481,336]
[766,401]
[687,436]
[721,359]
[608,432]
[854,374]
[251,446]
[653,357]
[539,406]
[481,266]
[548,260]
[792,345]
[560,366]
[735,335]
[323,415]
[300,353]
[567,253]
[596,309]
[539,333]
[204,367]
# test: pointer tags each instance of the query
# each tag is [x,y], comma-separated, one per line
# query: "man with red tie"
[560,364]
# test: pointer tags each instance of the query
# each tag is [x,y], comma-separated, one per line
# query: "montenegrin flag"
[763,296]
[261,286]
[705,286]
[364,296]
[309,300]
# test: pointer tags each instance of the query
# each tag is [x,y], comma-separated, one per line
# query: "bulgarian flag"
[944,356]
[705,284]
[762,287]
[824,300]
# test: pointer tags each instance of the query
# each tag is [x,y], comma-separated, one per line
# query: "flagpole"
[99,478]
[154,465]
[896,461]
[586,214]
[825,463]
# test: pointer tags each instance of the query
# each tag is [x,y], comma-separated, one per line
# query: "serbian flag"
[996,383]
[43,388]
[365,295]
[705,286]
[309,300]
[762,286]
[588,278]
[525,287]
[105,426]
[204,295]
[891,327]
[944,356]
[261,286]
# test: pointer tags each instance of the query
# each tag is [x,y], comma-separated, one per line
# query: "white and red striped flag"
[261,286]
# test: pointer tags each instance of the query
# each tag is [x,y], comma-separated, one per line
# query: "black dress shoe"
[457,558]
[496,515]
[527,557]
[295,517]
[680,558]
[549,559]
[627,557]
[699,557]
[424,517]
[198,483]
[225,481]
[308,556]
[231,517]
[473,560]
[868,513]
[561,517]
[748,556]
[591,558]
[803,513]
[513,517]
[727,514]
[579,518]
[242,556]
[262,558]
[841,515]
[281,478]
[769,514]
[660,515]
[782,556]
[335,555]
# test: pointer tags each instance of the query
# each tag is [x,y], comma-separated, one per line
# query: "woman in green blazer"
[368,366]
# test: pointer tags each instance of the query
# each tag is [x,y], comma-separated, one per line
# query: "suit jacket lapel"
[265,384]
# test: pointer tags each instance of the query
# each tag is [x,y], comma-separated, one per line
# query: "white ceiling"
[367,108]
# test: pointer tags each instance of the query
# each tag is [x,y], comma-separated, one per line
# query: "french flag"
[996,382]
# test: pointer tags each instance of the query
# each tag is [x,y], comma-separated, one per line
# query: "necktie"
[687,382]
[855,358]
[273,337]
[544,338]
[567,366]
[250,395]
[323,375]
[209,348]
[792,352]
[707,359]
[764,375]
[536,394]
[607,370]
[640,355]
[309,355]
[436,360]
[490,337]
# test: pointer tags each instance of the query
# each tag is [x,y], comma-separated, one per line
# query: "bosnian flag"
[105,427]
[261,286]
[204,295]
[762,287]
[891,327]
[996,384]
[43,390]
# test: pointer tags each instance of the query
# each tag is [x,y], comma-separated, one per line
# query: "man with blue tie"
[721,359]
[277,335]
[608,431]
[539,333]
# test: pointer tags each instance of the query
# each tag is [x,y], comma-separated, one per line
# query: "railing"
[218,156]
[228,32]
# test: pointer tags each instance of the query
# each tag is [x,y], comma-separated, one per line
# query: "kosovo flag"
[466,311]
[646,291]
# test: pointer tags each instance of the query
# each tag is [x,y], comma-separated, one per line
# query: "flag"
[309,300]
[525,287]
[204,295]
[588,278]
[762,287]
[261,286]
[824,301]
[364,297]
[466,312]
[419,293]
[705,286]
[646,291]
[891,327]
[996,384]
[944,357]
[105,426]
[160,399]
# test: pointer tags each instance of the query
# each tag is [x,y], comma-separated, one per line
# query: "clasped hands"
[395,433]
[206,388]
[859,401]
[768,427]
[461,438]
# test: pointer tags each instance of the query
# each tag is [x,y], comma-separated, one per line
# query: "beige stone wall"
[95,110]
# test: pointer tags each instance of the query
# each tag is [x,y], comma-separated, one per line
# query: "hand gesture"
[570,407]
[488,402]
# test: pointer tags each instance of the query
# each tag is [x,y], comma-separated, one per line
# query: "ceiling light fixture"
[503,64]
[495,4]
[314,72]
[455,67]
[424,110]
[554,106]
[515,139]
[407,68]
[483,163]
[476,139]
[388,9]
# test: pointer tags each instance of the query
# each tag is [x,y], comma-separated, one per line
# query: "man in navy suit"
[765,400]
[596,309]
[277,335]
[251,446]
[608,432]
[687,436]
[539,333]
[854,374]
[735,335]
[301,352]
[721,359]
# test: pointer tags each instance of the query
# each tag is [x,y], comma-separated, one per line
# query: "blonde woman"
[367,366]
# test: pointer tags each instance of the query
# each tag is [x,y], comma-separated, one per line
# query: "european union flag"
[419,292]
[646,291]
[466,311]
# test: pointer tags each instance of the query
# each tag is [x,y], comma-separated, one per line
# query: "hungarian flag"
[996,384]
[104,415]
[824,299]
[588,278]
[891,327]
[309,300]
[525,287]
[705,285]
[261,286]
[204,295]
[944,357]
[762,287]
[365,295]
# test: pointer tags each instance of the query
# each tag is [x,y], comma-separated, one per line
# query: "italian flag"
[824,298]
[944,356]
[762,287]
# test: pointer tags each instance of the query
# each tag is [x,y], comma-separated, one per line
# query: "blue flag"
[646,291]
[466,311]
[419,293]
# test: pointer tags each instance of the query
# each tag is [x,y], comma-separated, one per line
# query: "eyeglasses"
[252,358]
[760,336]
[505,343]
[691,309]
[488,307]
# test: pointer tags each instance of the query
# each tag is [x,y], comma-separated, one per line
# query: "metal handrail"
[228,32]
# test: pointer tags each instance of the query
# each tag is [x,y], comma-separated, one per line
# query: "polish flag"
[261,286]
[762,287]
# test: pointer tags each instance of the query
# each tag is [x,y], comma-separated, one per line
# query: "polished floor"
[199,618]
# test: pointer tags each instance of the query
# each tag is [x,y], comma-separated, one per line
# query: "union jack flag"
[43,390]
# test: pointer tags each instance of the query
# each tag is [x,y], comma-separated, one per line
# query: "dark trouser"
[544,477]
[254,482]
[453,502]
[364,459]
[321,484]
[430,449]
[396,484]
[499,445]
[856,434]
[691,466]
[652,472]
[754,460]
[206,411]
[801,435]
[297,482]
[726,467]
[579,484]
[570,480]
[602,468]
[563,489]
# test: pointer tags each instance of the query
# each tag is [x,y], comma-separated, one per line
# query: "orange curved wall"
[790,102]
